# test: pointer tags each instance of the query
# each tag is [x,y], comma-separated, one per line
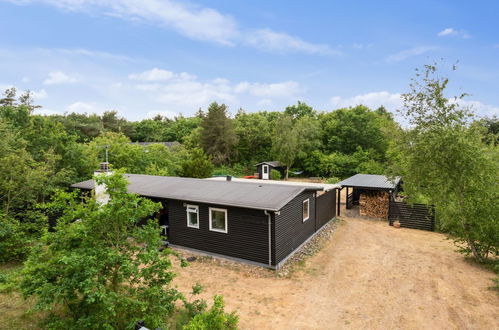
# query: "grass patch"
[15,312]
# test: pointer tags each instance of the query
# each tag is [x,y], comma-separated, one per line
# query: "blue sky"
[169,57]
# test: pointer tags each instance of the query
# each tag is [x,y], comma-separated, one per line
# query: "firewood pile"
[374,204]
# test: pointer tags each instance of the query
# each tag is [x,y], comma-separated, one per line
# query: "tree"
[218,137]
[195,164]
[346,129]
[446,161]
[102,266]
[254,132]
[285,142]
[300,110]
[292,140]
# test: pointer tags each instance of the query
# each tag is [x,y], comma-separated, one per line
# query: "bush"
[333,180]
[214,319]
[275,175]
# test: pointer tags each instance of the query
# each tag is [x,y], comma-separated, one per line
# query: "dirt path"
[369,275]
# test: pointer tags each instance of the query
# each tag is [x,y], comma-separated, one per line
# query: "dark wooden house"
[264,169]
[256,222]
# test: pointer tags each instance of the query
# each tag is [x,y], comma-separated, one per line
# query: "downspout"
[269,217]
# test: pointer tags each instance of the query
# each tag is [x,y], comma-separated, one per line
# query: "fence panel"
[416,216]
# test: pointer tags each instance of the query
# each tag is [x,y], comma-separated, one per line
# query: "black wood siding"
[289,229]
[247,236]
[326,207]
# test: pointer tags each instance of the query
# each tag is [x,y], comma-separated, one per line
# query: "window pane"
[193,219]
[218,220]
[305,209]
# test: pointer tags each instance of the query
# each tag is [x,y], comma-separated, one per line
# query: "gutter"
[269,217]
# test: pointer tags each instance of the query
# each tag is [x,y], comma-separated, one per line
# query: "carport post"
[339,200]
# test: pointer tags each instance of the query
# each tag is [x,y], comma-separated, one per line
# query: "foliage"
[293,139]
[213,319]
[300,110]
[101,268]
[254,132]
[446,160]
[275,175]
[218,137]
[344,130]
[16,236]
[238,170]
[195,164]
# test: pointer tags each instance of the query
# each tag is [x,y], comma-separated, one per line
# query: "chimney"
[100,189]
[104,167]
[228,178]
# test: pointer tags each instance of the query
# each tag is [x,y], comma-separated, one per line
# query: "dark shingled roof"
[273,163]
[370,181]
[239,194]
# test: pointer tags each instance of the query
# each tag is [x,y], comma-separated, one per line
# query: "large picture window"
[306,209]
[193,216]
[218,220]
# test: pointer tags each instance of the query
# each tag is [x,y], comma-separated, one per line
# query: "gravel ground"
[365,275]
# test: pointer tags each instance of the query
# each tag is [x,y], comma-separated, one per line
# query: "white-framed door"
[265,172]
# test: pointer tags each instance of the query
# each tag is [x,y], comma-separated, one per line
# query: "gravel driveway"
[367,276]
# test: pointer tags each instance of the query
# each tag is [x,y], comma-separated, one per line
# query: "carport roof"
[371,181]
[239,194]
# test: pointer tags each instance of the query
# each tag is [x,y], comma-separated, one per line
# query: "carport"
[367,184]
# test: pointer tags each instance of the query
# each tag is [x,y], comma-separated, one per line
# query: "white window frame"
[307,201]
[226,224]
[187,211]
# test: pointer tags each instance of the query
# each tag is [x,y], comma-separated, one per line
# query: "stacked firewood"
[374,204]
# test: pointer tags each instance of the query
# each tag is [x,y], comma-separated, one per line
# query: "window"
[193,216]
[306,210]
[265,169]
[218,220]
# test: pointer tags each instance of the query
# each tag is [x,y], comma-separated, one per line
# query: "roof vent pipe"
[228,178]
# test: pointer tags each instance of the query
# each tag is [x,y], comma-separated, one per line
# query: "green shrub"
[333,180]
[275,175]
[214,319]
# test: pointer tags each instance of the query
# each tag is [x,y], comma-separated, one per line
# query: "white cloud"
[282,89]
[84,107]
[25,79]
[167,114]
[39,95]
[453,32]
[405,54]
[152,75]
[480,108]
[193,21]
[391,101]
[184,90]
[273,41]
[58,77]
[45,112]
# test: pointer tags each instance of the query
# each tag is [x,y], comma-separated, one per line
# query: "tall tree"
[300,110]
[218,137]
[346,129]
[446,161]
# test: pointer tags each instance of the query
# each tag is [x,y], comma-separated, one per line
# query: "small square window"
[193,216]
[306,209]
[218,220]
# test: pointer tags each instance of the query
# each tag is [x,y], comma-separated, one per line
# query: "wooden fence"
[416,216]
